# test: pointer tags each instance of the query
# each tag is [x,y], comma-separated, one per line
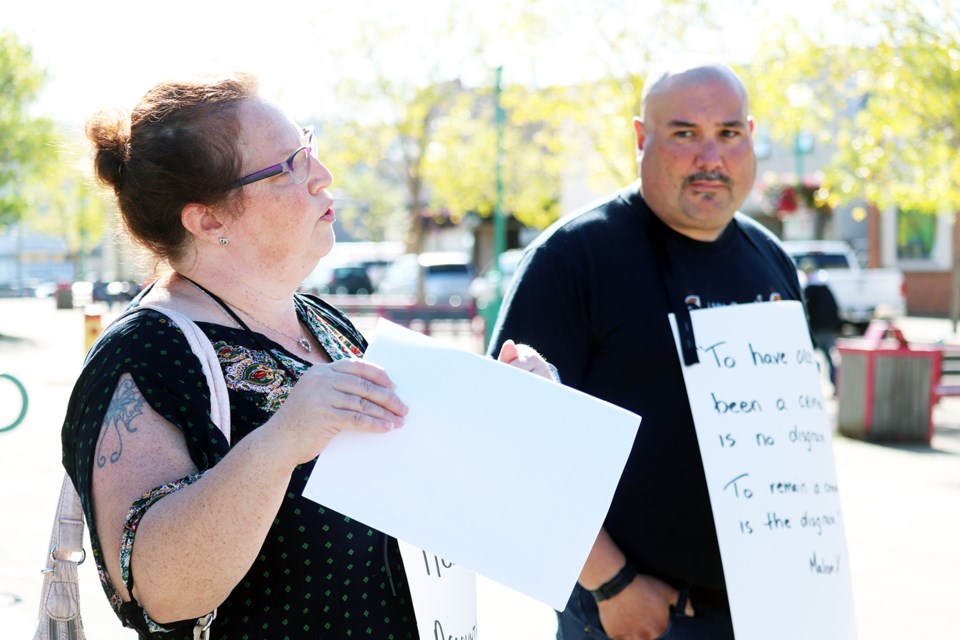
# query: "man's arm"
[545,309]
[641,610]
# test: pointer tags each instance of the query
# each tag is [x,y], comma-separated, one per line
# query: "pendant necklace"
[228,311]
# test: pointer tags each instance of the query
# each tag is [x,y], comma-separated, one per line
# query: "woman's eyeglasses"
[297,165]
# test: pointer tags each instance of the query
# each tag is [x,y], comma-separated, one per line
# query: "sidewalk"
[901,504]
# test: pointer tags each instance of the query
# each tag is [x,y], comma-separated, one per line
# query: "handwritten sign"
[765,440]
[444,595]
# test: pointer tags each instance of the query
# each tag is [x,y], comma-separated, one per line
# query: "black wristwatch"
[616,584]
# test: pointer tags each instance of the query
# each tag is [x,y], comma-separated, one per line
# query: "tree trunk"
[416,236]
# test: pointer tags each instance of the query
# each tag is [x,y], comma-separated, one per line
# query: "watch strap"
[616,584]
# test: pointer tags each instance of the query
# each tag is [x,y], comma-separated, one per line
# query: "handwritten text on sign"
[765,440]
[444,595]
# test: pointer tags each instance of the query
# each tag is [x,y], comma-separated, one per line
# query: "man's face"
[697,165]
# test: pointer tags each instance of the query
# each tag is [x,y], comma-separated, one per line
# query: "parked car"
[446,277]
[860,293]
[483,289]
[351,278]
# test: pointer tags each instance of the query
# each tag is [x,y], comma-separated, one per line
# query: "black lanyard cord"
[243,325]
[688,342]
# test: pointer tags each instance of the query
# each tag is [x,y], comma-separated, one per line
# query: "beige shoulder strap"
[60,597]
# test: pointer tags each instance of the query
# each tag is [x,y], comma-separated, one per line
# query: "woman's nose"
[320,176]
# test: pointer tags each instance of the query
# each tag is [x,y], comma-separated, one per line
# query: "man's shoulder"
[752,226]
[604,216]
[759,233]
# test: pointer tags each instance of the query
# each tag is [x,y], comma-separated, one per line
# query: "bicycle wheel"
[24,402]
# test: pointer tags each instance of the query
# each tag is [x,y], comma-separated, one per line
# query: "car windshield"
[822,260]
[457,269]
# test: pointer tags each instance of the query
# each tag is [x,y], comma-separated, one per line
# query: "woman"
[220,185]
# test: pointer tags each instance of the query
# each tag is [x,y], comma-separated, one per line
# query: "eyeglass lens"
[300,163]
[300,166]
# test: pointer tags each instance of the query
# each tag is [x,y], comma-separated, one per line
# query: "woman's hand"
[347,395]
[524,357]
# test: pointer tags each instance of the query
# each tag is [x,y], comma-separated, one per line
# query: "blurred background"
[465,128]
[456,132]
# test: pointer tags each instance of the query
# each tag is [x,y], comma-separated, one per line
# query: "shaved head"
[694,146]
[665,76]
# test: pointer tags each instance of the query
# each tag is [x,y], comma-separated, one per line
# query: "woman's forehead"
[265,129]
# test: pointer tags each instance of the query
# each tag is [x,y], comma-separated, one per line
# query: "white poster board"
[487,468]
[766,444]
[444,595]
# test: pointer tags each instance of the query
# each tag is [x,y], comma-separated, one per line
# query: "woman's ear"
[203,223]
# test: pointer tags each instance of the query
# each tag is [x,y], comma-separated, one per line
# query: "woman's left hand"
[524,357]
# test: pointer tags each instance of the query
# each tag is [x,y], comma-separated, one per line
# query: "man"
[593,295]
[823,314]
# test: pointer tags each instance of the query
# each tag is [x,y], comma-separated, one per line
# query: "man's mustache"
[710,176]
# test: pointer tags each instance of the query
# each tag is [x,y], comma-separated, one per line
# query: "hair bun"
[109,131]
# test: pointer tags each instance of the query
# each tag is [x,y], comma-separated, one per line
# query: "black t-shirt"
[590,297]
[319,574]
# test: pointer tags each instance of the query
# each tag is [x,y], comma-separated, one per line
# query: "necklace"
[224,307]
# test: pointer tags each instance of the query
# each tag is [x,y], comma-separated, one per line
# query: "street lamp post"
[492,307]
[802,145]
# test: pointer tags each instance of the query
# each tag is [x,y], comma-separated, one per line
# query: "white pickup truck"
[860,293]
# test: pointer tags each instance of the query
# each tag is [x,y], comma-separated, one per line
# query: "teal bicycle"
[19,390]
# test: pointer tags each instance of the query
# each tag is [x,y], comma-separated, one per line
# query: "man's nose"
[708,155]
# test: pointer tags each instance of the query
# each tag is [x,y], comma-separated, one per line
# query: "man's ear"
[641,132]
[201,221]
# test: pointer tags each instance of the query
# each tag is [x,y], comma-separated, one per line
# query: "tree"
[419,113]
[627,37]
[27,147]
[67,204]
[461,162]
[390,107]
[421,117]
[886,94]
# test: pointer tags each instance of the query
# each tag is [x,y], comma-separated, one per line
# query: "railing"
[405,310]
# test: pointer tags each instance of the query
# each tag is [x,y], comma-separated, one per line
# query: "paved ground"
[901,503]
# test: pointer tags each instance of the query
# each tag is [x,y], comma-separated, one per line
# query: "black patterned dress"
[319,573]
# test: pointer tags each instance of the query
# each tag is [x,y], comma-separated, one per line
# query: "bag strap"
[60,595]
[203,349]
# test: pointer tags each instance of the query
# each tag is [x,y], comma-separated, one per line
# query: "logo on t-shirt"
[694,301]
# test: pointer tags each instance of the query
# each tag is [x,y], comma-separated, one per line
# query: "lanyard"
[668,277]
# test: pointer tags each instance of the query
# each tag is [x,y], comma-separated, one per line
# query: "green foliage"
[429,132]
[461,161]
[27,150]
[68,204]
[887,96]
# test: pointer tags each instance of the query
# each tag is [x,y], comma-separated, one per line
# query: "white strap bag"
[60,598]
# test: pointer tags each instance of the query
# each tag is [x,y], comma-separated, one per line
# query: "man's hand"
[641,611]
[524,357]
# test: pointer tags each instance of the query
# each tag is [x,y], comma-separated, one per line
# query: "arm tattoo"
[126,404]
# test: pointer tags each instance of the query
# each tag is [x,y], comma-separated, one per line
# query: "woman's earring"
[224,240]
